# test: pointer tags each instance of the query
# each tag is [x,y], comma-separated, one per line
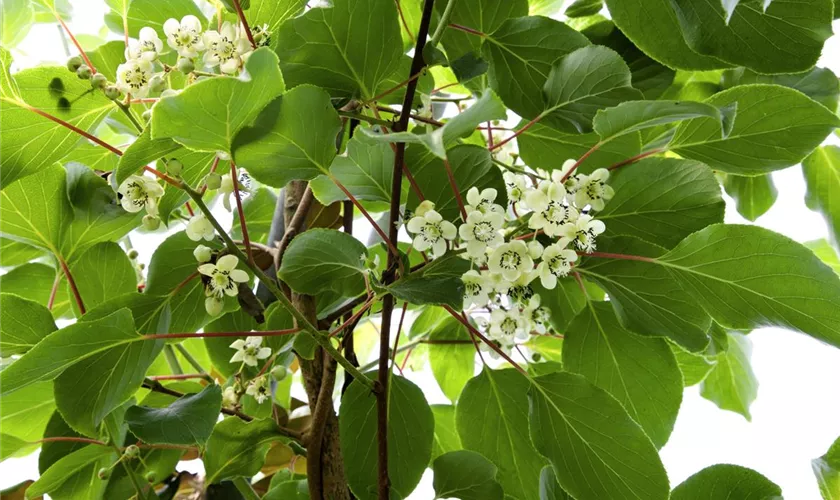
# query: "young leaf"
[596,449]
[324,259]
[437,283]
[822,178]
[187,421]
[732,384]
[23,323]
[74,473]
[827,470]
[238,448]
[733,481]
[410,436]
[223,105]
[754,195]
[627,366]
[466,475]
[492,420]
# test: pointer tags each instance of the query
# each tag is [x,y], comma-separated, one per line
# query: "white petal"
[264,352]
[473,198]
[416,224]
[239,276]
[207,269]
[213,306]
[448,230]
[238,344]
[170,27]
[439,248]
[227,262]
[191,22]
[230,66]
[421,244]
[237,357]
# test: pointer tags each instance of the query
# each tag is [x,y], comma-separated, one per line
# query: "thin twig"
[244,22]
[72,283]
[239,209]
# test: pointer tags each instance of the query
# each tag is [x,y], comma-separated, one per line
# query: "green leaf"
[142,152]
[653,26]
[288,490]
[347,50]
[822,178]
[15,253]
[753,195]
[23,323]
[733,481]
[583,8]
[30,143]
[223,105]
[694,366]
[466,475]
[187,421]
[633,116]
[782,37]
[776,127]
[324,259]
[75,473]
[521,53]
[367,171]
[827,470]
[565,301]
[485,16]
[549,487]
[294,138]
[732,384]
[596,449]
[437,283]
[446,435]
[825,252]
[747,277]
[626,366]
[453,364]
[546,148]
[238,448]
[16,18]
[107,57]
[646,297]
[820,84]
[587,80]
[151,13]
[34,281]
[492,420]
[662,200]
[36,210]
[273,13]
[410,435]
[23,417]
[101,272]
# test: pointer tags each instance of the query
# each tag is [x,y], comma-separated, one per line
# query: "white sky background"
[795,418]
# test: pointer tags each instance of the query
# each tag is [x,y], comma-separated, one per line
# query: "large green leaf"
[23,417]
[151,13]
[753,195]
[36,210]
[730,481]
[410,435]
[208,114]
[23,323]
[521,53]
[827,470]
[466,475]
[16,18]
[820,84]
[324,259]
[627,366]
[731,384]
[446,435]
[546,148]
[549,487]
[187,421]
[662,200]
[437,283]
[74,475]
[768,37]
[822,178]
[485,16]
[453,364]
[273,13]
[238,448]
[294,138]
[634,116]
[775,127]
[34,281]
[101,272]
[367,171]
[492,419]
[747,277]
[347,49]
[596,449]
[824,251]
[15,253]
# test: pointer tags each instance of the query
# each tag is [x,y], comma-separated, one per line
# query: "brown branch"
[322,410]
[73,286]
[295,225]
[54,291]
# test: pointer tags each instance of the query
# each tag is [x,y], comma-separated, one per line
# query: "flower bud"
[112,92]
[98,81]
[536,357]
[214,181]
[147,115]
[132,254]
[202,254]
[174,167]
[104,473]
[151,477]
[185,65]
[132,451]
[279,372]
[74,63]
[84,72]
[157,84]
[424,207]
[151,223]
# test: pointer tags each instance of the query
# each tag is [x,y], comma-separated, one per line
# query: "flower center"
[484,232]
[510,260]
[431,232]
[224,49]
[137,194]
[508,326]
[559,266]
[556,213]
[136,78]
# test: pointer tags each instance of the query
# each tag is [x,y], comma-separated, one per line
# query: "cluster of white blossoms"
[249,352]
[558,205]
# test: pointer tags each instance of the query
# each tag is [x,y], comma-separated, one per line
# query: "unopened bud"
[214,181]
[84,72]
[185,65]
[98,81]
[151,477]
[151,223]
[74,63]
[112,92]
[147,115]
[132,254]
[132,451]
[157,84]
[202,254]
[279,372]
[104,473]
[174,167]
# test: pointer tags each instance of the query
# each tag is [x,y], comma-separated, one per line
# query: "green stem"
[192,361]
[245,489]
[172,360]
[125,109]
[301,320]
[444,21]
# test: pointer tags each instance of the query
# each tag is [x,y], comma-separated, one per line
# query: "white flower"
[249,351]
[260,389]
[516,185]
[593,190]
[424,207]
[583,232]
[200,227]
[138,192]
[572,182]
[225,48]
[535,249]
[538,317]
[223,277]
[511,260]
[480,231]
[507,325]
[520,290]
[505,154]
[202,254]
[214,305]
[185,37]
[482,202]
[556,263]
[229,397]
[550,211]
[133,77]
[431,231]
[477,289]
[226,189]
[261,34]
[148,46]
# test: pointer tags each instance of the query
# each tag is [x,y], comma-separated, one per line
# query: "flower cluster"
[249,352]
[558,208]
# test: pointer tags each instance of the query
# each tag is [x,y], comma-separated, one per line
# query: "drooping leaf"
[822,178]
[238,448]
[367,171]
[827,470]
[820,84]
[187,421]
[437,283]
[754,195]
[733,481]
[731,384]
[410,436]
[596,449]
[324,259]
[492,420]
[466,475]
[23,323]
[546,148]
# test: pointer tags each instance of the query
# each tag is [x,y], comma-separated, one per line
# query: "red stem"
[75,42]
[484,339]
[366,215]
[267,333]
[529,235]
[239,209]
[580,160]
[189,209]
[636,158]
[72,283]
[184,283]
[68,439]
[244,22]
[489,136]
[621,256]
[75,129]
[391,90]
[353,318]
[516,134]
[445,87]
[54,290]
[454,186]
[183,376]
[466,29]
[404,23]
[161,175]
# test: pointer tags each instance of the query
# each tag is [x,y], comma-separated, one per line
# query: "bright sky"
[795,417]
